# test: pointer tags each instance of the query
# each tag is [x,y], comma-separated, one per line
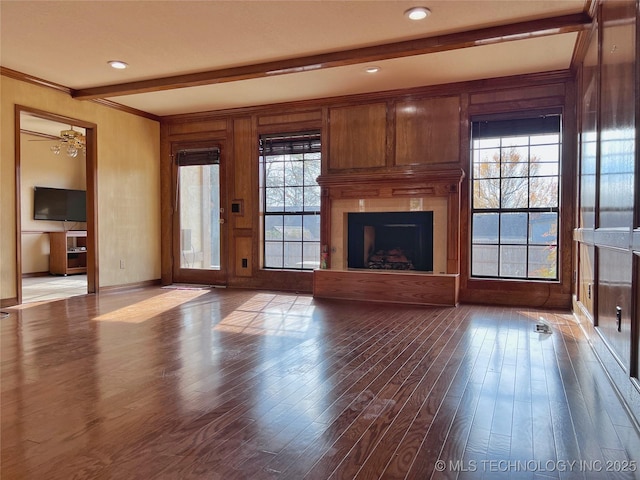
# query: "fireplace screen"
[390,241]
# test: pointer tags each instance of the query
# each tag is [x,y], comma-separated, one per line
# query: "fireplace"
[391,236]
[390,240]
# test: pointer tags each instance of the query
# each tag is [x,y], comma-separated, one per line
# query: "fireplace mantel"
[390,191]
[404,182]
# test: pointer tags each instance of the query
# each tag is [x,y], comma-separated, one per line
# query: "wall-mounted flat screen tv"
[59,204]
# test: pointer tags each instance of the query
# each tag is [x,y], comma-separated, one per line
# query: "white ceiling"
[70,42]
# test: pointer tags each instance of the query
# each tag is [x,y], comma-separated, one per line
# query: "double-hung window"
[289,166]
[515,198]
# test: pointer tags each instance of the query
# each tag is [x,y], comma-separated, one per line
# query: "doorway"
[55,160]
[199,233]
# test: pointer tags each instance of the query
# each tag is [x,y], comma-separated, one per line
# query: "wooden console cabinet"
[68,253]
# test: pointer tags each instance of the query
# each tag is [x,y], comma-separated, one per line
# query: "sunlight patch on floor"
[270,314]
[142,311]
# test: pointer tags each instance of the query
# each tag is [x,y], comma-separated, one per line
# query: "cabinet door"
[58,253]
[358,136]
[428,131]
[614,301]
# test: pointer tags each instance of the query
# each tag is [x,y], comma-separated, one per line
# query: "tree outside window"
[515,199]
[290,164]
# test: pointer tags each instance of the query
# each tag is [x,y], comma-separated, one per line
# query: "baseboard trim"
[8,302]
[130,286]
[35,274]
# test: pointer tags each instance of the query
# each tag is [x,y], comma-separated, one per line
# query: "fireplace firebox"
[390,240]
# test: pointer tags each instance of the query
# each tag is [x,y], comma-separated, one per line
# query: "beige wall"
[128,185]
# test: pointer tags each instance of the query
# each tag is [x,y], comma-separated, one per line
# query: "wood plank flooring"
[232,384]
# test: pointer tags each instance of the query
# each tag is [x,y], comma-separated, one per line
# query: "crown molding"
[24,77]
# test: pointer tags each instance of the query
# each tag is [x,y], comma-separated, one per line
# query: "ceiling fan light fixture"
[72,141]
[118,64]
[72,151]
[417,13]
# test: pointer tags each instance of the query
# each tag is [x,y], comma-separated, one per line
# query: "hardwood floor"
[232,384]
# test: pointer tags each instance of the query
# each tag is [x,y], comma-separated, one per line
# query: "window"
[515,198]
[290,164]
[199,208]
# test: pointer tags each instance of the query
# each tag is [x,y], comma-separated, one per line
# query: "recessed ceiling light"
[418,13]
[118,64]
[372,69]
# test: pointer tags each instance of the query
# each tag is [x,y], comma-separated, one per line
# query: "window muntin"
[515,198]
[290,165]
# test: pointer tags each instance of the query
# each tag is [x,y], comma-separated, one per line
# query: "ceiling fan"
[71,141]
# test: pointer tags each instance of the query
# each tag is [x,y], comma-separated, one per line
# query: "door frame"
[91,186]
[202,276]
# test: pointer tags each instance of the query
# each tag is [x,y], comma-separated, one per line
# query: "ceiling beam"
[421,46]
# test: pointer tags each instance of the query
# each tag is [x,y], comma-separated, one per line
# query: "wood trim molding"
[130,286]
[18,201]
[440,43]
[445,89]
[91,187]
[637,119]
[35,274]
[124,108]
[582,45]
[8,302]
[23,77]
[405,179]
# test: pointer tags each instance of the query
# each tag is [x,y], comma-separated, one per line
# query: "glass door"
[199,216]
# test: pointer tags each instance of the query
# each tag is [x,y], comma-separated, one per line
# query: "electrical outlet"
[122,264]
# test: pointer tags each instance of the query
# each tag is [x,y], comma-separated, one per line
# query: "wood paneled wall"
[608,235]
[428,131]
[358,137]
[386,136]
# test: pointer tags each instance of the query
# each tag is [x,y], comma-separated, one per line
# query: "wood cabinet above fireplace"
[413,132]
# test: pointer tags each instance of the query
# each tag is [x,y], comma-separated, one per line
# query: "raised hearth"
[385,286]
